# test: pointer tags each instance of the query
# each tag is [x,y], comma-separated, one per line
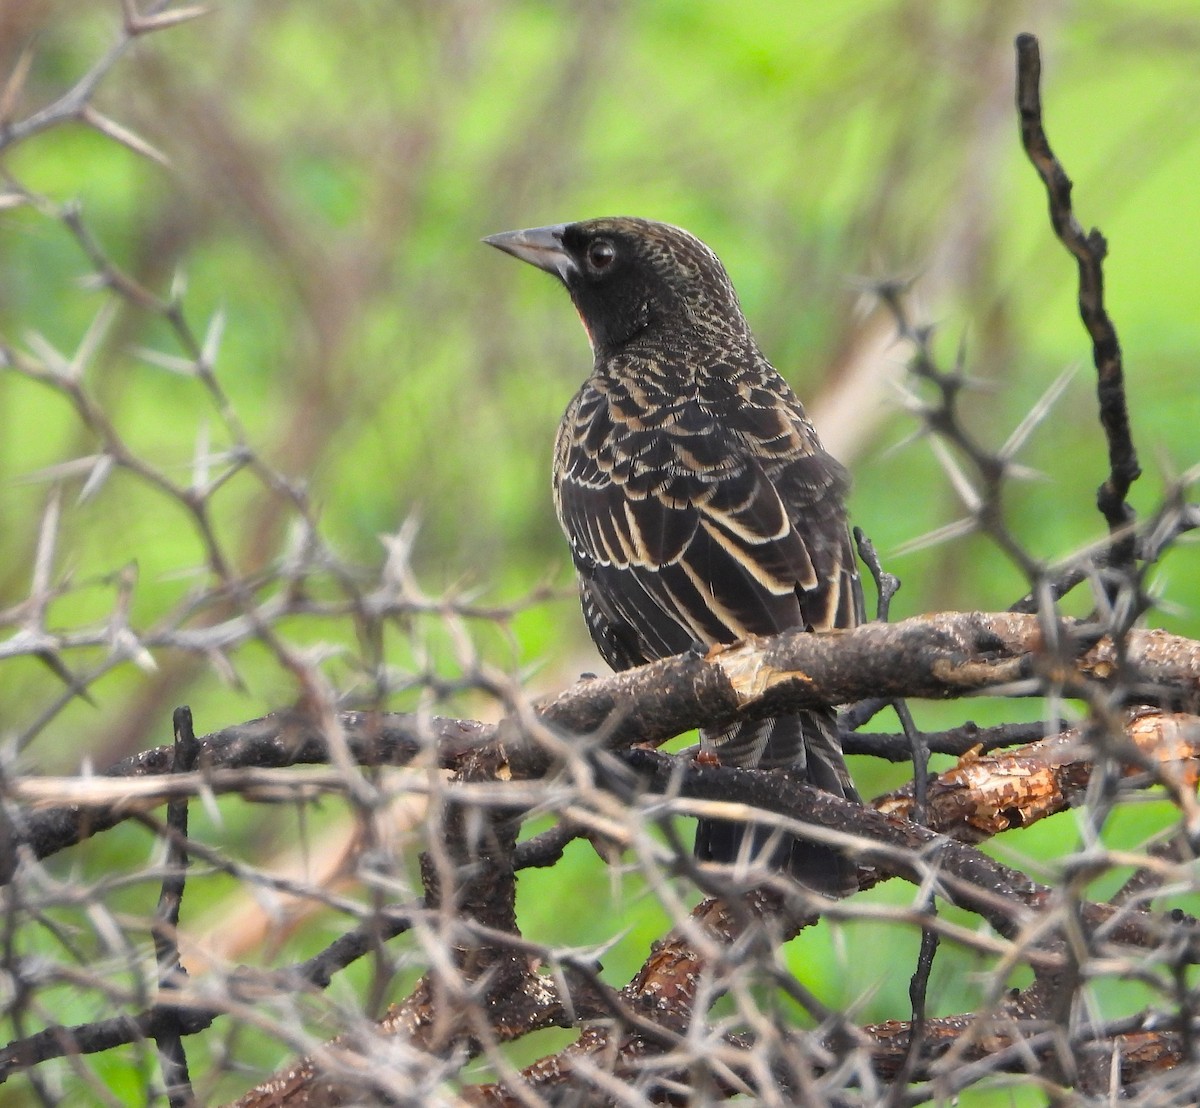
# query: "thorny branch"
[942,656]
[973,801]
[76,102]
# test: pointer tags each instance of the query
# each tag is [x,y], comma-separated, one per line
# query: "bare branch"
[1089,250]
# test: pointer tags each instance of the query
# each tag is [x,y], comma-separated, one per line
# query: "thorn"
[15,85]
[127,138]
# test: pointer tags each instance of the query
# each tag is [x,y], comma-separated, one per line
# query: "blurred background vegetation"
[329,171]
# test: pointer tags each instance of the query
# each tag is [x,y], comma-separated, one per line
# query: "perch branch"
[939,656]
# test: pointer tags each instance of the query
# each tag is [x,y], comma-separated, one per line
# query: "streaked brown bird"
[696,497]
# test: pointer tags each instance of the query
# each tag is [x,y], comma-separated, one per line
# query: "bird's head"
[631,277]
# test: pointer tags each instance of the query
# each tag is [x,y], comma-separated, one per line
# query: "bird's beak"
[539,246]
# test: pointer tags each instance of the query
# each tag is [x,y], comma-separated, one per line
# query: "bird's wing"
[680,535]
[813,486]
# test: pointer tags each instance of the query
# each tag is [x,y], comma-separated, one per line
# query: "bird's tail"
[808,744]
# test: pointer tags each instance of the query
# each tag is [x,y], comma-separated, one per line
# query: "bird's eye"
[601,254]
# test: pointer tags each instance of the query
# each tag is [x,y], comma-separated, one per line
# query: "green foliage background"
[332,168]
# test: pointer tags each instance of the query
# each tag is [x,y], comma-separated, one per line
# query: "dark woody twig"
[955,741]
[171,974]
[1089,250]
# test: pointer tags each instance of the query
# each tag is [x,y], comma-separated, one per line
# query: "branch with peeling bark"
[944,656]
[664,992]
[941,656]
[979,797]
[985,796]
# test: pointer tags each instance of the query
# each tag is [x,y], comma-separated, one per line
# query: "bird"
[695,496]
